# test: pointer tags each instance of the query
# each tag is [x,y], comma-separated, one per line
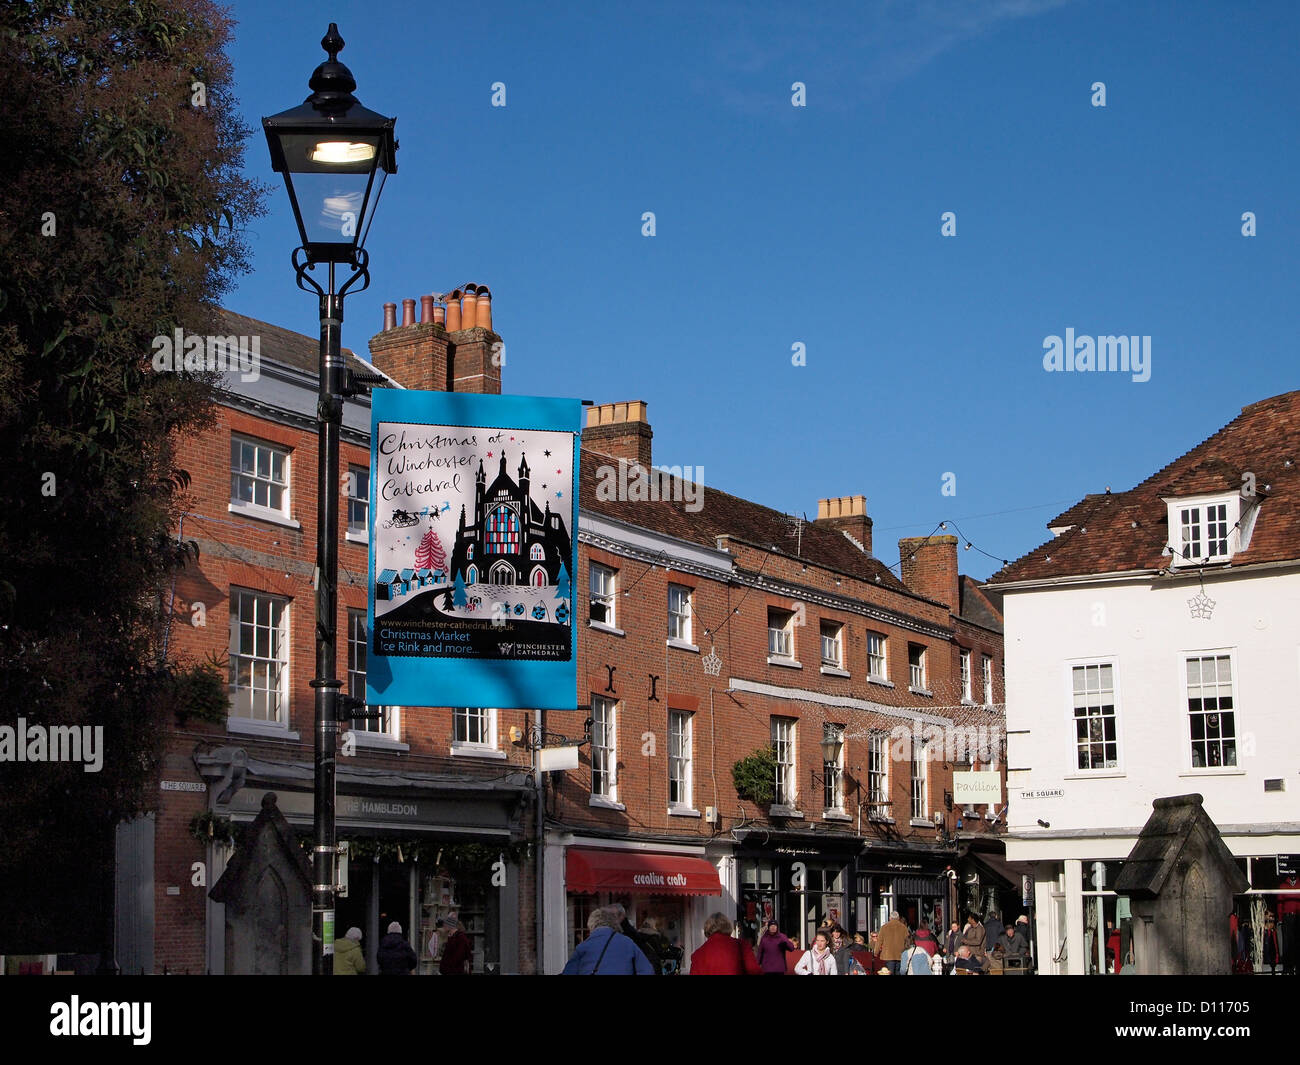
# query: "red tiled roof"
[1125,531]
[728,515]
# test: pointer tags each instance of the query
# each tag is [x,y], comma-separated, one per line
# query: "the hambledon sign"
[659,880]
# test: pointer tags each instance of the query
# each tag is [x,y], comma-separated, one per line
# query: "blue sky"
[820,225]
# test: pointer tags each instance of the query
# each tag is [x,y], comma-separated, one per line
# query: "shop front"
[671,891]
[914,882]
[430,848]
[800,886]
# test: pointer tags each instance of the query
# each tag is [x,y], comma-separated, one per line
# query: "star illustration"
[1201,605]
[546,454]
[489,455]
[512,439]
[543,486]
[558,494]
[557,472]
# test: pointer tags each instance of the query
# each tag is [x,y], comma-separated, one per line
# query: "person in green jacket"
[348,959]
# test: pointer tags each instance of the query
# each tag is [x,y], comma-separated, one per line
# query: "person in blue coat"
[606,951]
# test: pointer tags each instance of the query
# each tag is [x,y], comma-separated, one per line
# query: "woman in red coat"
[721,955]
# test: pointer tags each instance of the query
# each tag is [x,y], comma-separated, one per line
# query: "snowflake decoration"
[1201,605]
[712,663]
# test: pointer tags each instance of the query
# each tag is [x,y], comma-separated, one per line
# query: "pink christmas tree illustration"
[430,555]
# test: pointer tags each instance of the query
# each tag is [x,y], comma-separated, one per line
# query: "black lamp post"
[330,150]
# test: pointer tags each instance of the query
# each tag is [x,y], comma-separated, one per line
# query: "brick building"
[717,632]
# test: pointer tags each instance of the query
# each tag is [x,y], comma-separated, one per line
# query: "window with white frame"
[357,646]
[603,599]
[966,692]
[916,665]
[920,781]
[877,661]
[832,644]
[833,772]
[1096,719]
[1207,529]
[604,750]
[878,773]
[679,758]
[474,727]
[783,739]
[259,475]
[1211,711]
[358,501]
[986,665]
[780,633]
[679,613]
[259,657]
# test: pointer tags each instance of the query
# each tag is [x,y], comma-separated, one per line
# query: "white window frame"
[1073,769]
[679,620]
[912,669]
[836,643]
[1189,759]
[780,633]
[239,475]
[260,602]
[986,669]
[785,739]
[878,753]
[1213,539]
[882,657]
[681,726]
[919,776]
[833,772]
[358,481]
[604,750]
[606,595]
[967,690]
[470,720]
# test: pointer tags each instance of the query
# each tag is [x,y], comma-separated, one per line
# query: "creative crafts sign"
[473,550]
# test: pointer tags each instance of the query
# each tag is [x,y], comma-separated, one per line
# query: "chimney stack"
[619,430]
[929,568]
[848,514]
[450,349]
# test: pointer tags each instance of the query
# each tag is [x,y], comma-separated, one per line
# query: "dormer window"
[1206,529]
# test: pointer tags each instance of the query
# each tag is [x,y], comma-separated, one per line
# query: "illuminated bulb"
[342,152]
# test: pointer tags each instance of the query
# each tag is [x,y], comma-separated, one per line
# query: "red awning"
[639,873]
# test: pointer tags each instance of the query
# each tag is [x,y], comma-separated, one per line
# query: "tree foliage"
[121,207]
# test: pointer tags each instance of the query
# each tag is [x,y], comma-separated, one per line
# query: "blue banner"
[473,550]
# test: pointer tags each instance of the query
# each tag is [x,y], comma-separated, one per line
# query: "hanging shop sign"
[972,788]
[473,550]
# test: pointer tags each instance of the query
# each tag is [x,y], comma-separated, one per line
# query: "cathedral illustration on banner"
[509,539]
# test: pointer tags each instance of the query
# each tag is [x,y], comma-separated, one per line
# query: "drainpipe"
[538,863]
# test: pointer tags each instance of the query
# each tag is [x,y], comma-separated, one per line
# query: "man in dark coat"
[395,956]
[992,929]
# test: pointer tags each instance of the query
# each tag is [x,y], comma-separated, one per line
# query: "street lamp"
[330,150]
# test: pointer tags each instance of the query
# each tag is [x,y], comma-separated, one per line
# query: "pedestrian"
[458,951]
[892,939]
[926,941]
[1013,942]
[818,961]
[606,951]
[972,936]
[654,943]
[792,959]
[967,964]
[843,951]
[772,949]
[867,959]
[721,954]
[915,961]
[395,956]
[625,926]
[348,959]
[992,929]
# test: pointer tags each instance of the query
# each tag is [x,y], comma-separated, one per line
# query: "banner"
[473,550]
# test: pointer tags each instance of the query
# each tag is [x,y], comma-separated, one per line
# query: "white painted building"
[1153,649]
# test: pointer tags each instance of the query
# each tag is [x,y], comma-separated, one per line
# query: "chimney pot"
[439,314]
[453,311]
[426,309]
[408,312]
[847,514]
[485,308]
[469,308]
[390,316]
